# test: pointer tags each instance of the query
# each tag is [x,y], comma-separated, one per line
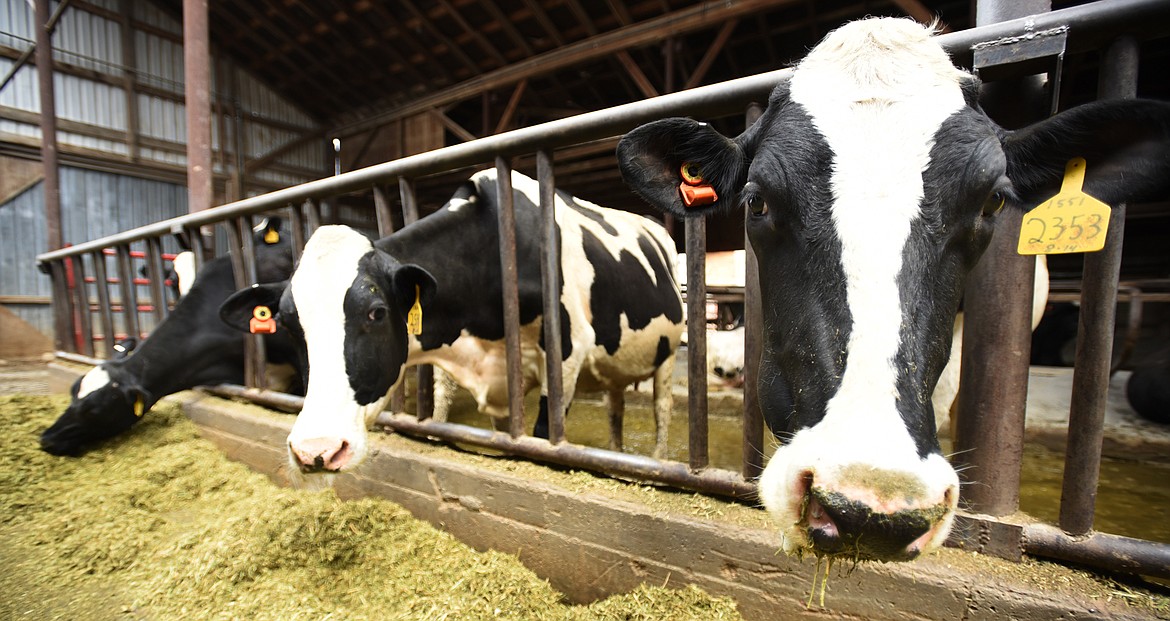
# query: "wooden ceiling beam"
[636,74]
[474,33]
[542,18]
[451,125]
[711,54]
[635,35]
[453,49]
[513,103]
[404,34]
[506,23]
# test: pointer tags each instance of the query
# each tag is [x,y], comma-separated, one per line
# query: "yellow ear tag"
[1071,221]
[139,407]
[414,317]
[272,236]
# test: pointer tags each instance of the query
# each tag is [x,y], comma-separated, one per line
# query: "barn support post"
[197,71]
[989,437]
[696,244]
[1094,356]
[62,312]
[550,272]
[506,216]
[753,317]
[129,77]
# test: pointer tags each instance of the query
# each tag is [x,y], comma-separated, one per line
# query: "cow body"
[871,185]
[191,347]
[621,314]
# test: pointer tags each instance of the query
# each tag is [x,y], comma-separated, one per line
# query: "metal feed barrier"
[984,528]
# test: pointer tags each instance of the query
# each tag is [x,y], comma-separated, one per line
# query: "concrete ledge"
[590,543]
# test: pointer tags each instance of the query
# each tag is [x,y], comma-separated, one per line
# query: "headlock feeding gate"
[990,436]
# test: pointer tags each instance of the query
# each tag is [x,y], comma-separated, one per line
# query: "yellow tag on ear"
[1071,221]
[414,317]
[272,236]
[139,407]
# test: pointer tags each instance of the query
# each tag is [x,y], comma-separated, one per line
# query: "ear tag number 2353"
[1071,221]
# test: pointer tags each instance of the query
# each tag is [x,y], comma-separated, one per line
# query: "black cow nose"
[838,525]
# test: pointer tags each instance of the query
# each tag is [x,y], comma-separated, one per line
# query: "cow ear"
[139,399]
[413,284]
[1125,143]
[268,231]
[652,157]
[238,310]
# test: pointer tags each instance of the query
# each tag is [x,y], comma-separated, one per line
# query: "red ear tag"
[694,192]
[262,321]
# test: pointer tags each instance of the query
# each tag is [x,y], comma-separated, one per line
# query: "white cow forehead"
[327,268]
[877,91]
[94,380]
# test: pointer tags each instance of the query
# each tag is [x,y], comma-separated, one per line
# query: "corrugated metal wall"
[95,204]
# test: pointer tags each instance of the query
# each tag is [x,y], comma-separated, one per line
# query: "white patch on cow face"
[877,90]
[184,263]
[96,379]
[327,268]
[456,205]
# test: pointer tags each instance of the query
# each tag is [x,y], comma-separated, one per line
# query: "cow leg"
[615,402]
[540,429]
[663,404]
[444,395]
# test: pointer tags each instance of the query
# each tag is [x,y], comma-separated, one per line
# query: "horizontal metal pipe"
[1113,552]
[78,358]
[267,398]
[677,474]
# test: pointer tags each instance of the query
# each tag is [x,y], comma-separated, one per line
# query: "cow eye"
[994,203]
[377,313]
[756,204]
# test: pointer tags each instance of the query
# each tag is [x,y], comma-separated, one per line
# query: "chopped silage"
[158,525]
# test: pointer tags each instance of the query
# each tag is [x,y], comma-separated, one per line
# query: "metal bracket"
[1028,54]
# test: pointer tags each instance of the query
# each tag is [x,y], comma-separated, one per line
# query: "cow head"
[106,402]
[348,303]
[871,185]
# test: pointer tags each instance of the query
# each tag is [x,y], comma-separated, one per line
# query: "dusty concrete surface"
[19,340]
[592,536]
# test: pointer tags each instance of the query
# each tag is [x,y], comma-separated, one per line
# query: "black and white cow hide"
[871,185]
[191,347]
[621,313]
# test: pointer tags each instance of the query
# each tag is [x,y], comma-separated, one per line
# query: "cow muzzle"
[321,454]
[858,525]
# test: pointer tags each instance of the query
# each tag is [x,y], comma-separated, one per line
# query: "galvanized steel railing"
[985,528]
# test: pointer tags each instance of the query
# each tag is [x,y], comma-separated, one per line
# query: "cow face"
[349,303]
[871,185]
[106,403]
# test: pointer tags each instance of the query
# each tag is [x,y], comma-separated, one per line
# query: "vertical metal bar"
[507,225]
[257,356]
[383,211]
[198,248]
[197,78]
[753,420]
[313,215]
[101,281]
[129,292]
[157,276]
[409,204]
[1086,419]
[696,234]
[79,301]
[550,274]
[63,305]
[240,274]
[296,221]
[52,183]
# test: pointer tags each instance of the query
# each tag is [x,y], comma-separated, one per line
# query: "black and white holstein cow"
[871,185]
[191,347]
[621,313]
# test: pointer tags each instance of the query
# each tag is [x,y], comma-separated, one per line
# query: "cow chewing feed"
[621,313]
[191,347]
[871,185]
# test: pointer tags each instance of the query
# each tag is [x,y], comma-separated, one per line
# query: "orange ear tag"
[694,192]
[139,407]
[272,236]
[262,321]
[1071,221]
